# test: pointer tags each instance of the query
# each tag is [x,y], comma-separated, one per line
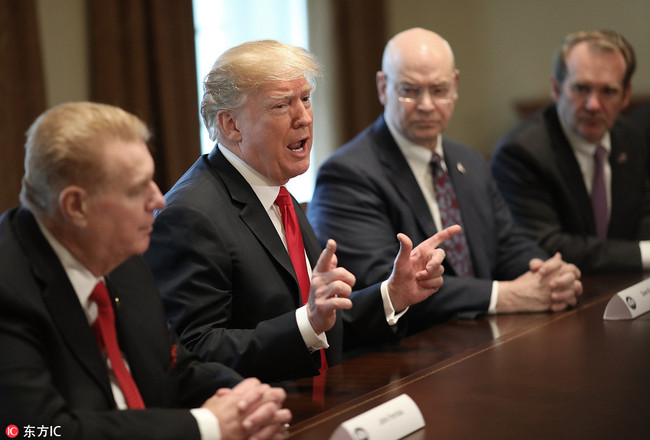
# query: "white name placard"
[392,420]
[629,303]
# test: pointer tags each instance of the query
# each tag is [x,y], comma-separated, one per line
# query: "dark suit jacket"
[227,281]
[641,117]
[366,193]
[51,370]
[540,178]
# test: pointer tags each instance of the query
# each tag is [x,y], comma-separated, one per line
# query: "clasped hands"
[549,285]
[251,410]
[417,274]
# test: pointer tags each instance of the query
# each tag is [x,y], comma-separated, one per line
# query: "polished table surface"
[532,376]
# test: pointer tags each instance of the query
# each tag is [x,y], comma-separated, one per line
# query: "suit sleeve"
[192,262]
[532,192]
[32,395]
[350,206]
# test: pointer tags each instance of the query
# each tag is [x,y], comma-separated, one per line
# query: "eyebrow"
[288,94]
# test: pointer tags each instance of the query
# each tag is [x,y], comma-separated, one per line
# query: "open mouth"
[298,147]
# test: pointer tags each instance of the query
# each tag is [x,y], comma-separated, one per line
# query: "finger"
[534,264]
[552,264]
[440,237]
[274,430]
[261,416]
[333,303]
[434,265]
[324,262]
[430,283]
[275,394]
[250,392]
[405,248]
[340,278]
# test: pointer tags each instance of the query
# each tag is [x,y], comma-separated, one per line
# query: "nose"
[593,100]
[425,102]
[303,116]
[157,201]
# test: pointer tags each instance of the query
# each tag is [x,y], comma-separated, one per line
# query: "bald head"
[418,85]
[416,46]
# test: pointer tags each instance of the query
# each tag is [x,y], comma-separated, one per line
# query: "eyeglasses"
[411,93]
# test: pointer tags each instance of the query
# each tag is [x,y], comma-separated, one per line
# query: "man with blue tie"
[401,175]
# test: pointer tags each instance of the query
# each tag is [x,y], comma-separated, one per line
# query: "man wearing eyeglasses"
[401,175]
[575,173]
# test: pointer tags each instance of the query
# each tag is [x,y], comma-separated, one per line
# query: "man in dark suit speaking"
[86,350]
[401,175]
[241,272]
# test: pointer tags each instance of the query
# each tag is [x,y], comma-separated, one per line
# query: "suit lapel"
[568,167]
[624,179]
[252,212]
[401,176]
[61,299]
[464,191]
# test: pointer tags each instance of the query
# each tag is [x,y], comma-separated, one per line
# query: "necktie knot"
[435,162]
[600,153]
[283,198]
[101,297]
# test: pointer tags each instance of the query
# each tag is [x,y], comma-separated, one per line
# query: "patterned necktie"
[104,327]
[296,249]
[599,193]
[456,247]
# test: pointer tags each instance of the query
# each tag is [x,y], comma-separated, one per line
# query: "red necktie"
[104,327]
[599,193]
[296,249]
[457,248]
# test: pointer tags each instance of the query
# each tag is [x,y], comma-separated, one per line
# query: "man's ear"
[627,92]
[228,124]
[73,203]
[555,89]
[380,78]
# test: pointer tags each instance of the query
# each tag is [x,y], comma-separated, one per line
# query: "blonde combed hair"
[63,148]
[243,69]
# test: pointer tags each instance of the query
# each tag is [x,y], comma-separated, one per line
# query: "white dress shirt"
[267,192]
[584,152]
[83,282]
[418,158]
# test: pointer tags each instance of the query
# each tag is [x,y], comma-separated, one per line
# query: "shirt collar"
[265,190]
[416,155]
[581,145]
[82,280]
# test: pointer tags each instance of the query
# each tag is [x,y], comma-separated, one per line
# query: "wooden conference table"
[526,376]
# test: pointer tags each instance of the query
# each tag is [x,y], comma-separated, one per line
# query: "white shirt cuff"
[208,424]
[313,341]
[645,254]
[494,297]
[389,310]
